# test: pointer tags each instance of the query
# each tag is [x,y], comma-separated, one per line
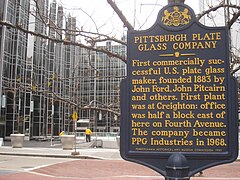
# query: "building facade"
[2,30]
[13,65]
[44,81]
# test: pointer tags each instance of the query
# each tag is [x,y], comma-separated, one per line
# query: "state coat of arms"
[176,17]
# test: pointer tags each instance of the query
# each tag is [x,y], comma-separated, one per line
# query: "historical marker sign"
[179,96]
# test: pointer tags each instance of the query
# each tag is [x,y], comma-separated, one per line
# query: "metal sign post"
[75,117]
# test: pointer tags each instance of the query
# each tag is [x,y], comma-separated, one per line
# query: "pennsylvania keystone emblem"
[176,17]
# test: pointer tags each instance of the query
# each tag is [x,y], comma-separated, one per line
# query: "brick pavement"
[108,166]
[114,170]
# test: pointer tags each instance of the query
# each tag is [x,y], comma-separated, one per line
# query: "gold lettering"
[207,36]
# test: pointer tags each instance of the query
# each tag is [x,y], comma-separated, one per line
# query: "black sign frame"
[158,160]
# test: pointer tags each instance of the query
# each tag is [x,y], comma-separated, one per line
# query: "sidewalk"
[87,165]
[45,149]
[54,149]
[48,149]
[111,168]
